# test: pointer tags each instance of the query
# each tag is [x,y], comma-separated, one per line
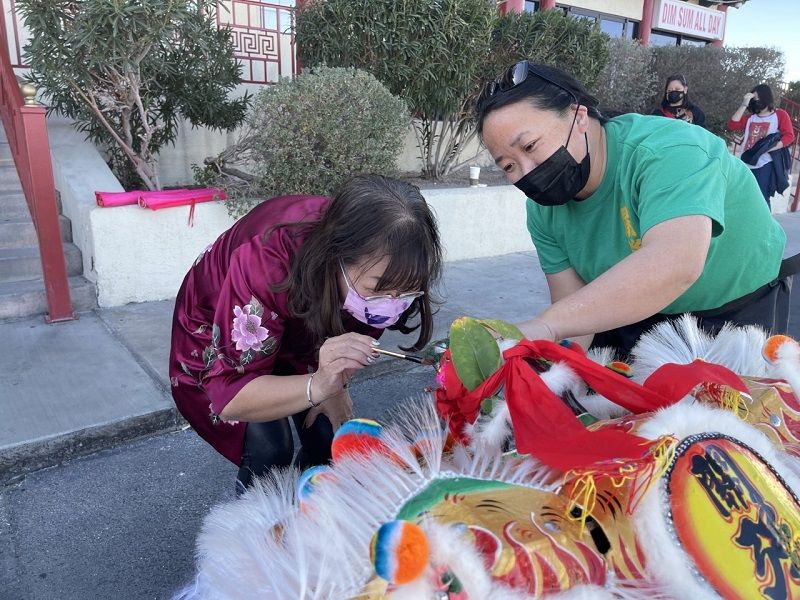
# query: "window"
[531,6]
[579,14]
[687,41]
[659,38]
[612,27]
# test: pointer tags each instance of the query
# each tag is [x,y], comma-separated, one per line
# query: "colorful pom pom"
[771,346]
[399,552]
[308,480]
[358,437]
[620,367]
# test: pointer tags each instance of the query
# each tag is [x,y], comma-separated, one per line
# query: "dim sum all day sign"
[682,17]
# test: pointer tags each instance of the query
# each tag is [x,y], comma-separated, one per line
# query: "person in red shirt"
[762,120]
[278,313]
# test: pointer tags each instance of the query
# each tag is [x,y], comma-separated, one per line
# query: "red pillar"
[722,8]
[507,6]
[547,4]
[646,26]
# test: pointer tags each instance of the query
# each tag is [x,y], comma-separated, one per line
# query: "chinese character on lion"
[535,470]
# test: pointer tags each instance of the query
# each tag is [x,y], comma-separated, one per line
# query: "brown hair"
[370,216]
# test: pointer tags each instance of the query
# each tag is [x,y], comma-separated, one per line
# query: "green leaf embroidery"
[186,370]
[246,358]
[256,308]
[200,330]
[215,335]
[209,355]
[269,346]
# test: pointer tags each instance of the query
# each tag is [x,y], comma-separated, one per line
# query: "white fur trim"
[682,341]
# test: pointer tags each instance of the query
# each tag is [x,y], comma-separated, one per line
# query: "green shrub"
[627,82]
[549,37]
[428,52]
[308,134]
[437,54]
[793,91]
[718,77]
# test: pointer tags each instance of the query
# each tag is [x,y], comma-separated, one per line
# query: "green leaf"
[506,330]
[269,346]
[215,335]
[246,358]
[209,355]
[256,308]
[474,351]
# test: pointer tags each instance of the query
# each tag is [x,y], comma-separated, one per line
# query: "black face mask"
[556,181]
[756,106]
[674,96]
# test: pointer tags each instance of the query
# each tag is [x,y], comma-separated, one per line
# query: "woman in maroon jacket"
[276,315]
[763,120]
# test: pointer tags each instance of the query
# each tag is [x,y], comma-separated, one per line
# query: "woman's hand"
[339,357]
[338,409]
[747,97]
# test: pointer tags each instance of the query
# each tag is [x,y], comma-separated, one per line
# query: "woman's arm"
[737,120]
[267,398]
[671,259]
[271,397]
[561,285]
[785,128]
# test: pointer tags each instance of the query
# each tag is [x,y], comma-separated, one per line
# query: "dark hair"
[676,77]
[545,87]
[370,216]
[764,95]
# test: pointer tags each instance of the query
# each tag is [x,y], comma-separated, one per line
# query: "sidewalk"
[74,388]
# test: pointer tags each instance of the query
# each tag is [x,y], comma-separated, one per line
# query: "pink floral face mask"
[376,311]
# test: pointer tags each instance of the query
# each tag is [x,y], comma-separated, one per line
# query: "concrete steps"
[27,298]
[24,263]
[21,284]
[19,232]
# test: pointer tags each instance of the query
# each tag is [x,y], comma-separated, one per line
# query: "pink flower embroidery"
[247,330]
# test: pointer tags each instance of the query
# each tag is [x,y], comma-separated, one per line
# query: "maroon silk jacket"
[229,327]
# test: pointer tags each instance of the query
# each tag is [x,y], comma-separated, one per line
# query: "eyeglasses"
[411,296]
[406,296]
[514,76]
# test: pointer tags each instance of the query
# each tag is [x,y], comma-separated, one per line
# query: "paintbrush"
[411,357]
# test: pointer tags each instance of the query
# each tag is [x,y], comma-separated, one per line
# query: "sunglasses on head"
[514,76]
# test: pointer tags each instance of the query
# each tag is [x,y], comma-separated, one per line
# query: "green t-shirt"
[659,169]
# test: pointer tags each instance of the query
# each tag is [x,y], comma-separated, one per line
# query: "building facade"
[653,22]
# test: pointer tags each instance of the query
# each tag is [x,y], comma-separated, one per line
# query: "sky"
[768,23]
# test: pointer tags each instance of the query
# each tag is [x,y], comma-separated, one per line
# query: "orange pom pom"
[772,345]
[399,552]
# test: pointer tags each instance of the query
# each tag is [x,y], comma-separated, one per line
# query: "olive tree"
[127,71]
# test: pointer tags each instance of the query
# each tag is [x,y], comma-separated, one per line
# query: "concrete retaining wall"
[138,255]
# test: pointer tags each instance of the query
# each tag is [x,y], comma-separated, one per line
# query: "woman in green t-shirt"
[635,219]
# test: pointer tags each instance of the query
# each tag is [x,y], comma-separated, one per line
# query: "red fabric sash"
[545,427]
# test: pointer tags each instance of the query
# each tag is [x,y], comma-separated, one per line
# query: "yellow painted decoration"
[736,520]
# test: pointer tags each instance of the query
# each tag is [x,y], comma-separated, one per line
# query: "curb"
[19,460]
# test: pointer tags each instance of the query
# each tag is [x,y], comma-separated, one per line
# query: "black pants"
[767,307]
[270,444]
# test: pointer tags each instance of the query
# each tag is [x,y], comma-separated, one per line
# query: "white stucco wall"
[138,255]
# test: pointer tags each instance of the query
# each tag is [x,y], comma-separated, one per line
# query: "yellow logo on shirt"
[634,241]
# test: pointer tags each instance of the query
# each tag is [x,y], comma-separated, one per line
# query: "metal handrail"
[24,121]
